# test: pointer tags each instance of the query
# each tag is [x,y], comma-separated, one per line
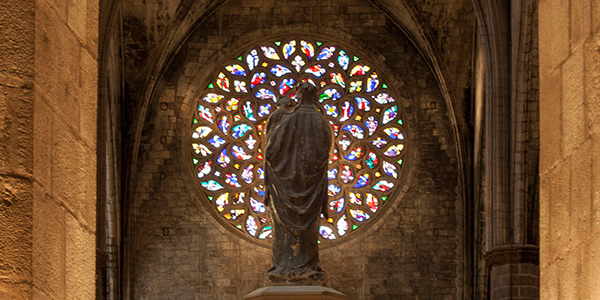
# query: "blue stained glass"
[247,173]
[344,142]
[224,124]
[265,94]
[326,232]
[240,130]
[371,124]
[394,150]
[390,169]
[216,141]
[359,215]
[336,206]
[236,69]
[263,110]
[331,110]
[362,103]
[232,180]
[390,114]
[286,85]
[362,181]
[249,111]
[261,173]
[252,59]
[239,153]
[223,159]
[331,174]
[251,225]
[378,142]
[347,111]
[393,132]
[355,130]
[258,78]
[333,190]
[326,53]
[383,186]
[260,190]
[343,60]
[211,185]
[257,206]
[355,154]
[289,49]
[332,94]
[372,82]
[279,70]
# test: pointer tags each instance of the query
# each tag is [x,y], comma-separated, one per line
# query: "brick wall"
[570,149]
[181,251]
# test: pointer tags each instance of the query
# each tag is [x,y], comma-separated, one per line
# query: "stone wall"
[570,149]
[181,252]
[48,83]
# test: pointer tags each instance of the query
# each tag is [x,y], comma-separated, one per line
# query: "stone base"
[295,292]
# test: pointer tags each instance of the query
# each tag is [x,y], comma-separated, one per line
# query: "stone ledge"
[295,292]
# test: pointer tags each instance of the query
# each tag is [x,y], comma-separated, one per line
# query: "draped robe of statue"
[297,156]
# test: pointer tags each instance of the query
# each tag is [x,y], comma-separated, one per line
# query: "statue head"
[284,101]
[307,92]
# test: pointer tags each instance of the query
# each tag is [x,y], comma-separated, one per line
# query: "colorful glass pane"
[338,79]
[239,153]
[270,53]
[372,160]
[286,85]
[383,186]
[232,180]
[265,233]
[251,225]
[265,94]
[213,98]
[371,124]
[326,232]
[279,70]
[201,132]
[362,181]
[316,70]
[308,49]
[258,78]
[383,98]
[223,82]
[211,185]
[236,69]
[359,70]
[355,87]
[250,142]
[298,63]
[346,175]
[342,225]
[234,214]
[355,198]
[204,169]
[252,59]
[289,49]
[390,114]
[355,130]
[326,53]
[240,86]
[205,113]
[333,190]
[201,149]
[355,154]
[223,159]
[239,131]
[359,215]
[393,133]
[257,206]
[330,94]
[372,82]
[216,141]
[343,60]
[222,201]
[249,111]
[390,169]
[372,202]
[347,111]
[232,104]
[332,173]
[336,206]
[393,150]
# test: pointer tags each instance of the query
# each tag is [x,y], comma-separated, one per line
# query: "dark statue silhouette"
[296,161]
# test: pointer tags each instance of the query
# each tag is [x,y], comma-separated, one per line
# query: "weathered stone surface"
[81,262]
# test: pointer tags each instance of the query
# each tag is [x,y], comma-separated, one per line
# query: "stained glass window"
[226,135]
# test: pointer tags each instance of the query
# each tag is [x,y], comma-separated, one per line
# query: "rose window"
[226,135]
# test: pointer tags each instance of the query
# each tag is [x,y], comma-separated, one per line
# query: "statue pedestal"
[295,292]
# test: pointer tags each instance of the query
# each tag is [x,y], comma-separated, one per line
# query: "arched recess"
[190,16]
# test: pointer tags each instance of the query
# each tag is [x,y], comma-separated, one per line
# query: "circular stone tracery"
[226,134]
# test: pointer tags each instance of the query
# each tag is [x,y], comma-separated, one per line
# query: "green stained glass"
[195,161]
[210,198]
[400,121]
[319,43]
[239,58]
[356,58]
[354,226]
[384,86]
[400,161]
[318,242]
[195,121]
[384,198]
[210,86]
[278,43]
[238,226]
